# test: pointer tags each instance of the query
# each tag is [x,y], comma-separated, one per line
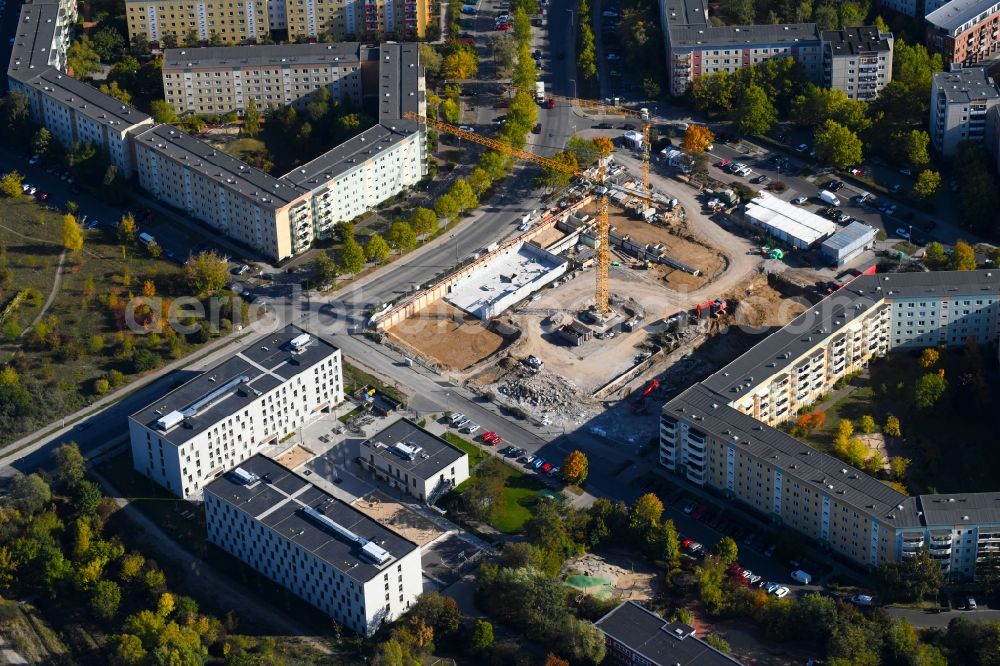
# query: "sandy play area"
[295,456]
[612,575]
[447,335]
[407,522]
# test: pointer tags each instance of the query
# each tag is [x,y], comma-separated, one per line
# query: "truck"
[829,197]
[644,114]
[540,92]
[146,239]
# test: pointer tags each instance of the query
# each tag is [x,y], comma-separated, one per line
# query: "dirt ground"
[710,262]
[548,237]
[761,305]
[633,579]
[294,456]
[446,334]
[407,522]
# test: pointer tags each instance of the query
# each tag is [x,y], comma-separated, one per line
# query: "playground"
[614,574]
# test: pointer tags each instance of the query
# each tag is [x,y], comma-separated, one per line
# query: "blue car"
[469,9]
[538,463]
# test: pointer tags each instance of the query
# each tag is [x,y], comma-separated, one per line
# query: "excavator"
[639,405]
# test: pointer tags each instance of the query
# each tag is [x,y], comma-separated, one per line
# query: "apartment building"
[915,8]
[369,19]
[41,38]
[355,570]
[232,22]
[694,46]
[225,415]
[964,31]
[961,99]
[857,61]
[720,433]
[223,79]
[636,636]
[415,461]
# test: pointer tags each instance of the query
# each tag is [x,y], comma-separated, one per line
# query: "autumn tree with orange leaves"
[697,139]
[575,467]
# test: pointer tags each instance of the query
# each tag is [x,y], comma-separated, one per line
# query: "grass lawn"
[350,415]
[240,148]
[853,406]
[521,491]
[355,378]
[476,454]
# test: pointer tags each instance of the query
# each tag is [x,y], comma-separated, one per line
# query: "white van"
[829,197]
[801,576]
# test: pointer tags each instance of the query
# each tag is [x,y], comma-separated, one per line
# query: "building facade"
[250,21]
[964,31]
[635,636]
[915,8]
[415,461]
[267,390]
[857,61]
[231,22]
[721,433]
[218,80]
[352,568]
[961,100]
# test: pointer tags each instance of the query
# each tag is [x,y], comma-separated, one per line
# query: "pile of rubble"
[547,396]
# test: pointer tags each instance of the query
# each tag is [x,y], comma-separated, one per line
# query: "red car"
[502,26]
[550,103]
[700,512]
[723,164]
[546,468]
[42,196]
[686,542]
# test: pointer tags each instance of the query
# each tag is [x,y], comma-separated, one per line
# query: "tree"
[755,114]
[575,467]
[913,579]
[875,463]
[129,650]
[929,389]
[482,635]
[131,567]
[460,64]
[898,466]
[928,358]
[116,91]
[891,427]
[866,424]
[29,494]
[376,249]
[351,258]
[82,59]
[927,185]
[445,206]
[11,185]
[127,229]
[463,194]
[697,139]
[585,151]
[430,59]
[162,112]
[837,145]
[401,236]
[727,550]
[251,119]
[646,512]
[41,143]
[423,221]
[71,234]
[325,270]
[105,597]
[553,660]
[450,111]
[719,643]
[963,258]
[934,255]
[741,12]
[479,180]
[206,272]
[108,43]
[556,178]
[844,431]
[914,145]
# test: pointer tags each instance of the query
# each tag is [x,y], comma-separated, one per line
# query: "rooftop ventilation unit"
[300,342]
[407,451]
[369,549]
[245,477]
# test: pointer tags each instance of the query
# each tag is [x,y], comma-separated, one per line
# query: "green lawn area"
[240,148]
[350,415]
[80,339]
[476,454]
[853,406]
[521,490]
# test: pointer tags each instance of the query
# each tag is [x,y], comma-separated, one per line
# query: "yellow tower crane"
[618,110]
[602,300]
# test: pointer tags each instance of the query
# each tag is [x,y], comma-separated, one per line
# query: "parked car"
[467,128]
[34,160]
[546,468]
[903,233]
[906,172]
[781,592]
[554,471]
[700,512]
[538,463]
[862,600]
[771,587]
[471,428]
[455,418]
[469,9]
[723,164]
[689,507]
[802,147]
[801,576]
[760,179]
[42,196]
[970,603]
[799,201]
[603,126]
[528,460]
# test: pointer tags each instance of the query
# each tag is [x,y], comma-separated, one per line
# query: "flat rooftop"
[705,411]
[952,16]
[351,154]
[399,73]
[281,500]
[224,169]
[261,56]
[660,642]
[88,101]
[34,39]
[707,36]
[434,454]
[789,218]
[685,12]
[849,235]
[505,274]
[230,386]
[951,509]
[778,351]
[853,41]
[965,85]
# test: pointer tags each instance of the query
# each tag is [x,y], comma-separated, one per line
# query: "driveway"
[923,619]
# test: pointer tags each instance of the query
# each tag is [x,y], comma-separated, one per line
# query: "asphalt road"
[923,619]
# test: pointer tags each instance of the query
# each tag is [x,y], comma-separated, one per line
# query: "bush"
[101,386]
[145,360]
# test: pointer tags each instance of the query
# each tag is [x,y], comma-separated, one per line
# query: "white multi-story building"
[857,61]
[412,459]
[961,99]
[721,431]
[354,569]
[217,420]
[223,79]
